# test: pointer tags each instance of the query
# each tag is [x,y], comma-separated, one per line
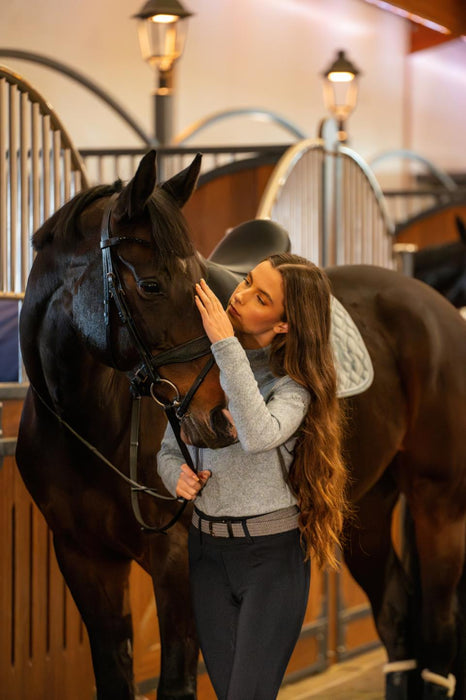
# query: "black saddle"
[242,249]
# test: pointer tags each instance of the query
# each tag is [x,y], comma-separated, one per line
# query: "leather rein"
[145,378]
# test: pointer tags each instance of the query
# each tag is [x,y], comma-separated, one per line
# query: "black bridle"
[145,378]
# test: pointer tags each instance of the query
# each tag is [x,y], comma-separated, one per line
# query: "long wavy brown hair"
[318,476]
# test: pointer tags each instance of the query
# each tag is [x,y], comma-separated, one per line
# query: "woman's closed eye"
[247,283]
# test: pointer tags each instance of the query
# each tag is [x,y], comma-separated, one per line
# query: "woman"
[263,504]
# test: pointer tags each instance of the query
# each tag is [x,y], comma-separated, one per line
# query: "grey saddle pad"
[352,360]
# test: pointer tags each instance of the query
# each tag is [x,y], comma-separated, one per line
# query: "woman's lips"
[232,310]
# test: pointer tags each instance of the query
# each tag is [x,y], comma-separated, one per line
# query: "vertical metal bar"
[100,169]
[66,174]
[350,220]
[344,232]
[56,170]
[316,210]
[327,196]
[337,208]
[3,184]
[13,186]
[46,167]
[35,166]
[77,181]
[24,190]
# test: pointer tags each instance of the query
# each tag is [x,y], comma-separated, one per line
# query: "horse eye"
[149,286]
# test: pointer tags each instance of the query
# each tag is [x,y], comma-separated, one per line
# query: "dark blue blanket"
[9,344]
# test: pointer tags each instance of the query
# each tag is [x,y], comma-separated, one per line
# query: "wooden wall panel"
[44,651]
[225,202]
[435,228]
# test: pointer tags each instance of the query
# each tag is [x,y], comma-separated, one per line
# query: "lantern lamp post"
[341,91]
[162,28]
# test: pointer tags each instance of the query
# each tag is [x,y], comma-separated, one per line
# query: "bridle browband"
[145,377]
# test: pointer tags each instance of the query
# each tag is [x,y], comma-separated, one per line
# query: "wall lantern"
[341,91]
[162,28]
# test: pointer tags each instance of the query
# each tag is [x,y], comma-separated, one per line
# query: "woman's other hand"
[215,320]
[189,484]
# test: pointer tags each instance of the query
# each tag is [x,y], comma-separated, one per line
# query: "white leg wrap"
[396,666]
[437,679]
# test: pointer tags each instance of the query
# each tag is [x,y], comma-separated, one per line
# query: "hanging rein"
[145,378]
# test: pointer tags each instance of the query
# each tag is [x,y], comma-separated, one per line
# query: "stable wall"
[249,53]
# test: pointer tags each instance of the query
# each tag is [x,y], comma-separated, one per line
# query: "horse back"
[417,342]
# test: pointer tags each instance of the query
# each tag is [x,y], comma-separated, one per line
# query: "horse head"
[125,271]
[443,267]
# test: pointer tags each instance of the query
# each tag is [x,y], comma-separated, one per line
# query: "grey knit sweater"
[247,477]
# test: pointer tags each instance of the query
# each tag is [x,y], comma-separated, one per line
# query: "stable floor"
[360,678]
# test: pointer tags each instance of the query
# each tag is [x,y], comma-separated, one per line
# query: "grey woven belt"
[267,524]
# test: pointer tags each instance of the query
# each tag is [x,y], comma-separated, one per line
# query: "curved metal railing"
[331,204]
[252,112]
[294,196]
[40,169]
[86,82]
[434,187]
[406,154]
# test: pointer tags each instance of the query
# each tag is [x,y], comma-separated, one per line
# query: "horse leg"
[374,564]
[100,588]
[180,647]
[440,540]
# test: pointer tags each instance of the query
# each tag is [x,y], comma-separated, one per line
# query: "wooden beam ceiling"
[434,21]
[450,14]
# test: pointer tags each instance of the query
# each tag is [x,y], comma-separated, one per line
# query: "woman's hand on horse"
[189,484]
[215,320]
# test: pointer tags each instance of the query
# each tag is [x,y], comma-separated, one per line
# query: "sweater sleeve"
[260,426]
[169,460]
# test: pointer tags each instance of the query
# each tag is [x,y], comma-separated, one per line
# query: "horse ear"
[133,197]
[461,226]
[181,186]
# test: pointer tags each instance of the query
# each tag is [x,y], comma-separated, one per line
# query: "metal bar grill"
[39,171]
[331,205]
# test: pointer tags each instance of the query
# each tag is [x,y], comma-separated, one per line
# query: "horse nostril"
[222,423]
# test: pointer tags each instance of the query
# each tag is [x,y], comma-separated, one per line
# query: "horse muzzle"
[218,432]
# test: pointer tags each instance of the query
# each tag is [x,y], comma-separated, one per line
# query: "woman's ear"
[281,327]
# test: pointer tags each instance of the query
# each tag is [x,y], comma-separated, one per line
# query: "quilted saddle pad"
[355,372]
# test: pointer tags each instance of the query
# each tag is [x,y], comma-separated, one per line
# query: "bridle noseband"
[145,378]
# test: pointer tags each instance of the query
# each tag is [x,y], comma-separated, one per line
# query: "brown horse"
[406,434]
[77,362]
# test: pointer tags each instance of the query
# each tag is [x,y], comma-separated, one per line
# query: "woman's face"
[256,306]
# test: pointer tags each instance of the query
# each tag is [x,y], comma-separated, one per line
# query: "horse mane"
[61,225]
[169,228]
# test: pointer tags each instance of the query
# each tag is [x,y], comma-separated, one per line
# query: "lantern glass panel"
[340,97]
[162,42]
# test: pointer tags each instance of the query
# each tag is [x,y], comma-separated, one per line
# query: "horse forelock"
[61,226]
[169,228]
